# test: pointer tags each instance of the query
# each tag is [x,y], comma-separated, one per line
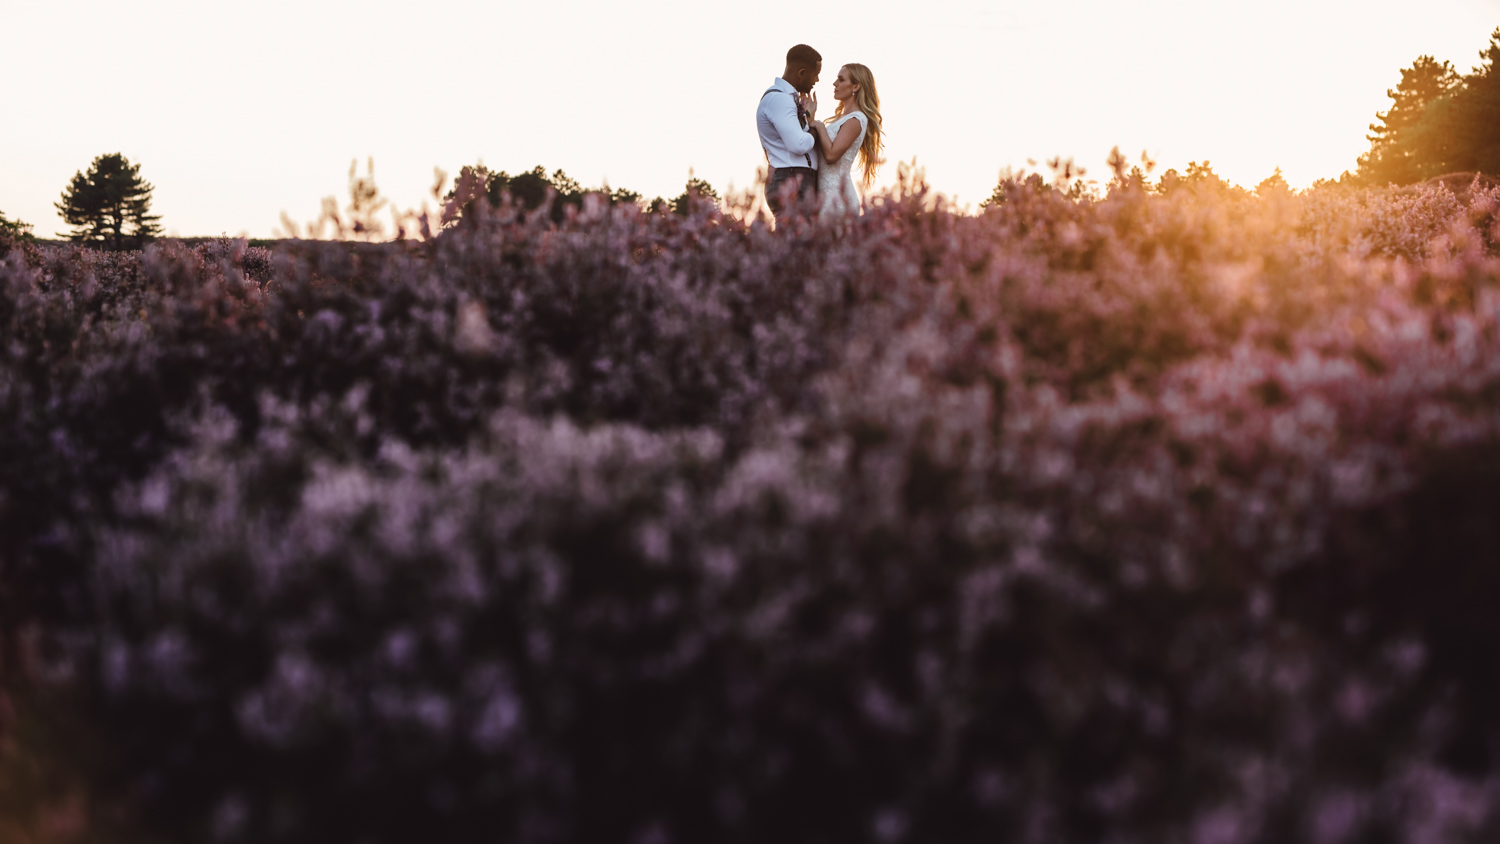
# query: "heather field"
[1166,514]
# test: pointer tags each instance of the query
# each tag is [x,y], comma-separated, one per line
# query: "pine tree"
[109,205]
[1403,147]
[1473,120]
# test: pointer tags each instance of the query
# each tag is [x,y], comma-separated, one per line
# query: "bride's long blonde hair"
[869,103]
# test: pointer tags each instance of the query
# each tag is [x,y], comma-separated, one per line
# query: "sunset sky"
[239,111]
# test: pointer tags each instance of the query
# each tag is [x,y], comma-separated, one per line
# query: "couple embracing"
[812,162]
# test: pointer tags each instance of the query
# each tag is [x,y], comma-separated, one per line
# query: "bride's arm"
[819,131]
[834,147]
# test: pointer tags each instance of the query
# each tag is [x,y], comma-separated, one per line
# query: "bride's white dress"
[835,179]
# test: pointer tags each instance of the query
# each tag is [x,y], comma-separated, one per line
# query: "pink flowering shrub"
[1144,518]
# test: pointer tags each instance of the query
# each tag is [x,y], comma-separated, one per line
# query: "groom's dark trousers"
[807,187]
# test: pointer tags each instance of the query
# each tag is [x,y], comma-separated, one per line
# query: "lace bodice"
[835,179]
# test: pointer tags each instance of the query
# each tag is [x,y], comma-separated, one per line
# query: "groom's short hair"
[803,55]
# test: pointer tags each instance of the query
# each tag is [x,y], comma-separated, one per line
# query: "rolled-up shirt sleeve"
[783,113]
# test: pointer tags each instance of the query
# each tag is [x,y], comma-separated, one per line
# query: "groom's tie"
[802,121]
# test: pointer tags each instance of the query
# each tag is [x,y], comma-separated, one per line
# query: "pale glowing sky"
[238,111]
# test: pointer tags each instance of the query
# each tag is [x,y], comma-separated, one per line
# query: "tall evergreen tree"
[110,205]
[1472,119]
[1403,149]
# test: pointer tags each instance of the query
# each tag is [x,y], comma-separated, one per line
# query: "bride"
[852,132]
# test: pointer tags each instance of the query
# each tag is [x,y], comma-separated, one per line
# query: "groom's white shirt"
[786,143]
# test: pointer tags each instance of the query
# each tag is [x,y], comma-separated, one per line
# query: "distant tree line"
[1067,180]
[531,189]
[109,205]
[1439,122]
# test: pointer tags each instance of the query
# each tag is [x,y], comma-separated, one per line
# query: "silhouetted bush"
[529,191]
[15,234]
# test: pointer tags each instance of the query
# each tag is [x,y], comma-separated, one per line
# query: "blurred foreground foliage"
[1161,516]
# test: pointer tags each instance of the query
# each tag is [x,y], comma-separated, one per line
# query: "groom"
[782,120]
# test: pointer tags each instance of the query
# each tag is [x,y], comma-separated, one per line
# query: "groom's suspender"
[805,156]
